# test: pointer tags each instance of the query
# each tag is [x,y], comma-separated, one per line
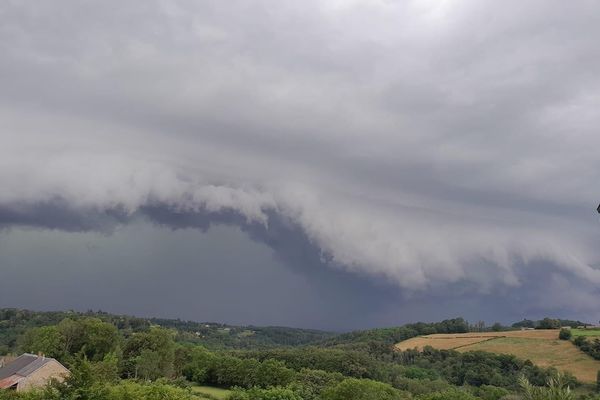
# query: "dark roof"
[24,365]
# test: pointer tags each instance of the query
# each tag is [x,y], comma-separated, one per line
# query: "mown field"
[540,346]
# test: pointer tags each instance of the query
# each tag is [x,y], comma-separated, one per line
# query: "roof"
[10,381]
[23,366]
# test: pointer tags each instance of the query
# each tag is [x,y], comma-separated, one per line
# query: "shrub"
[419,373]
[487,392]
[264,394]
[449,394]
[363,389]
[418,387]
[580,341]
[556,389]
[309,383]
[565,334]
[150,391]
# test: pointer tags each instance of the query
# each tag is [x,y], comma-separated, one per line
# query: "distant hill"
[216,335]
[14,322]
[390,336]
[549,323]
[211,354]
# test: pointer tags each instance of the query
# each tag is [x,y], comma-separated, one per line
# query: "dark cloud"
[152,270]
[57,214]
[220,275]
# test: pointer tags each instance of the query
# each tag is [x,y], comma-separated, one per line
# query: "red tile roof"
[10,381]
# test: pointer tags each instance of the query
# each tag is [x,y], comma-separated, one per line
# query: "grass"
[542,347]
[585,332]
[439,343]
[561,354]
[459,340]
[211,393]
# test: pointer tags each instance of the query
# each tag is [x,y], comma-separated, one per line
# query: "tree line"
[117,362]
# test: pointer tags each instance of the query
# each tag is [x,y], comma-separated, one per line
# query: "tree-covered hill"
[115,357]
[14,322]
[549,323]
[216,335]
[390,336]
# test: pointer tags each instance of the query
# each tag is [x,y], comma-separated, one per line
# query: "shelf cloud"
[427,144]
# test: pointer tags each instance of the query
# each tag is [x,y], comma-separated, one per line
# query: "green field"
[210,392]
[585,332]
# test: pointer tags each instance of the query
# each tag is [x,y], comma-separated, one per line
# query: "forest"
[122,357]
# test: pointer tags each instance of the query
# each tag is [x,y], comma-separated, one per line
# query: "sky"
[337,164]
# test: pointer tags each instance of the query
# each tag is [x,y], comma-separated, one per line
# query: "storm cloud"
[436,146]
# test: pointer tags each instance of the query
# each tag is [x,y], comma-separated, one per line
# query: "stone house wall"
[41,377]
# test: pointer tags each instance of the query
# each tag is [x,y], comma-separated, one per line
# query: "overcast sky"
[334,164]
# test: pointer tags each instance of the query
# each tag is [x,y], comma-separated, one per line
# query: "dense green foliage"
[591,347]
[477,368]
[124,358]
[450,394]
[394,335]
[565,334]
[471,368]
[218,336]
[362,389]
[89,336]
[209,368]
[277,393]
[557,389]
[124,390]
[14,323]
[548,323]
[149,355]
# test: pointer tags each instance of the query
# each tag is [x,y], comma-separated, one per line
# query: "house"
[31,371]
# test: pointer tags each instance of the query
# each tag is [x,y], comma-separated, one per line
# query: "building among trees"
[31,371]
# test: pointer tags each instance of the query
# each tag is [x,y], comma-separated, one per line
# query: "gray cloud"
[423,143]
[220,275]
[151,270]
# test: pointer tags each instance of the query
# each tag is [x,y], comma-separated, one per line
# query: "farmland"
[464,340]
[586,332]
[540,346]
[169,360]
